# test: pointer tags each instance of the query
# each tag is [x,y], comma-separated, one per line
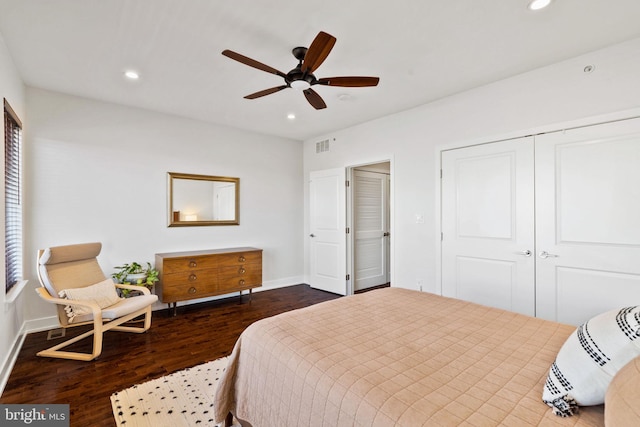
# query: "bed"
[395,357]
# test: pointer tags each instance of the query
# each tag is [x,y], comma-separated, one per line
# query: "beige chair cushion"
[622,400]
[103,294]
[60,254]
[121,308]
[72,266]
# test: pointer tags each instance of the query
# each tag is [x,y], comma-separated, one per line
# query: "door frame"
[350,219]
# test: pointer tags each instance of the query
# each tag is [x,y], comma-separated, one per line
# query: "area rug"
[184,398]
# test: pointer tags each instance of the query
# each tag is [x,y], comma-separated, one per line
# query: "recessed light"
[538,4]
[291,116]
[132,75]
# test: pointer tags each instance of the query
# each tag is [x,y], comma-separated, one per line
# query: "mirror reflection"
[203,200]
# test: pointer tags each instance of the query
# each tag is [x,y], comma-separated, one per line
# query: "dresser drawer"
[240,258]
[238,270]
[231,284]
[191,291]
[173,265]
[187,278]
[244,276]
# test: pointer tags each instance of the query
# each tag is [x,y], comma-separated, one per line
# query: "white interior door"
[224,201]
[588,220]
[371,229]
[327,231]
[488,224]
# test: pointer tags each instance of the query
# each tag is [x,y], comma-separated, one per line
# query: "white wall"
[546,99]
[11,310]
[98,172]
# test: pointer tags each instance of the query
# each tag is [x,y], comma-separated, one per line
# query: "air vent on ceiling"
[322,146]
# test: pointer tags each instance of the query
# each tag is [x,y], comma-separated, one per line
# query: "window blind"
[12,196]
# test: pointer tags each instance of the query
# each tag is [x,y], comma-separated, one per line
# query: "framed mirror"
[196,200]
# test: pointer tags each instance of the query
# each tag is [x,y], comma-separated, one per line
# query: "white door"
[371,229]
[588,220]
[224,201]
[327,231]
[488,225]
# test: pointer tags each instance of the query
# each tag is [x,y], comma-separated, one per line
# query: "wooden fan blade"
[314,99]
[266,92]
[318,52]
[252,62]
[353,81]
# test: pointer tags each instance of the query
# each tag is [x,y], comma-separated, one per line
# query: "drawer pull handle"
[192,290]
[192,277]
[242,258]
[193,264]
[242,270]
[241,282]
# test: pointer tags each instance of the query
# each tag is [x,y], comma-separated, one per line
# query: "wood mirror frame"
[197,200]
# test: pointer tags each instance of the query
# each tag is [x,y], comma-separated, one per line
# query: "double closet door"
[546,225]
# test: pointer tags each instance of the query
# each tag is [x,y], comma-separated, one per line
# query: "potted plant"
[135,274]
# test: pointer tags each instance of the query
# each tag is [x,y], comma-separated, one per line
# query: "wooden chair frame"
[100,325]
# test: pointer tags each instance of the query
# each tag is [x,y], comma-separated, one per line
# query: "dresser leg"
[173,310]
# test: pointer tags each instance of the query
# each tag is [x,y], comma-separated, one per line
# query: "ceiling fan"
[301,77]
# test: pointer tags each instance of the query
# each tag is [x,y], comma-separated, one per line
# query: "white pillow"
[590,358]
[103,293]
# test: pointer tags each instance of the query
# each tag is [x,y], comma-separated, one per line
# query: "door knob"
[524,253]
[312,235]
[545,254]
[386,234]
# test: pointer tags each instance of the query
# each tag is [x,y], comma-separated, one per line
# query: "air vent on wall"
[322,146]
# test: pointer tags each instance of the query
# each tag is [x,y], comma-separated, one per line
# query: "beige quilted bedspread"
[395,357]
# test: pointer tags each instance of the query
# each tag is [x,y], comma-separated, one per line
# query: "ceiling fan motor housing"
[296,75]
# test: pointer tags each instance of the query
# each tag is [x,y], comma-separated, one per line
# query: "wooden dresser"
[198,274]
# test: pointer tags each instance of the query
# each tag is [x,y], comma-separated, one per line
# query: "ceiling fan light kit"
[538,4]
[132,75]
[300,84]
[301,77]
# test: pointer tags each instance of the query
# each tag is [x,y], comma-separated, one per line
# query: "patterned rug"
[184,398]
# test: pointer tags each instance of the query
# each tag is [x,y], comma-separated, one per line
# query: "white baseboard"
[42,324]
[28,327]
[10,361]
[280,283]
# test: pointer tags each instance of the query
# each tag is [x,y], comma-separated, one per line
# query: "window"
[12,196]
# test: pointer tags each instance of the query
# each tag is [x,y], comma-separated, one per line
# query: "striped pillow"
[589,359]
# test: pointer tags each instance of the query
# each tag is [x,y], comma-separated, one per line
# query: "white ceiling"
[422,50]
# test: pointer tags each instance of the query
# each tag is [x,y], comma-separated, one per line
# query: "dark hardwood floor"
[200,333]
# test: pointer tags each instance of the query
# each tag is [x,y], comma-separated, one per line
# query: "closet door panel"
[487,224]
[583,292]
[371,194]
[588,221]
